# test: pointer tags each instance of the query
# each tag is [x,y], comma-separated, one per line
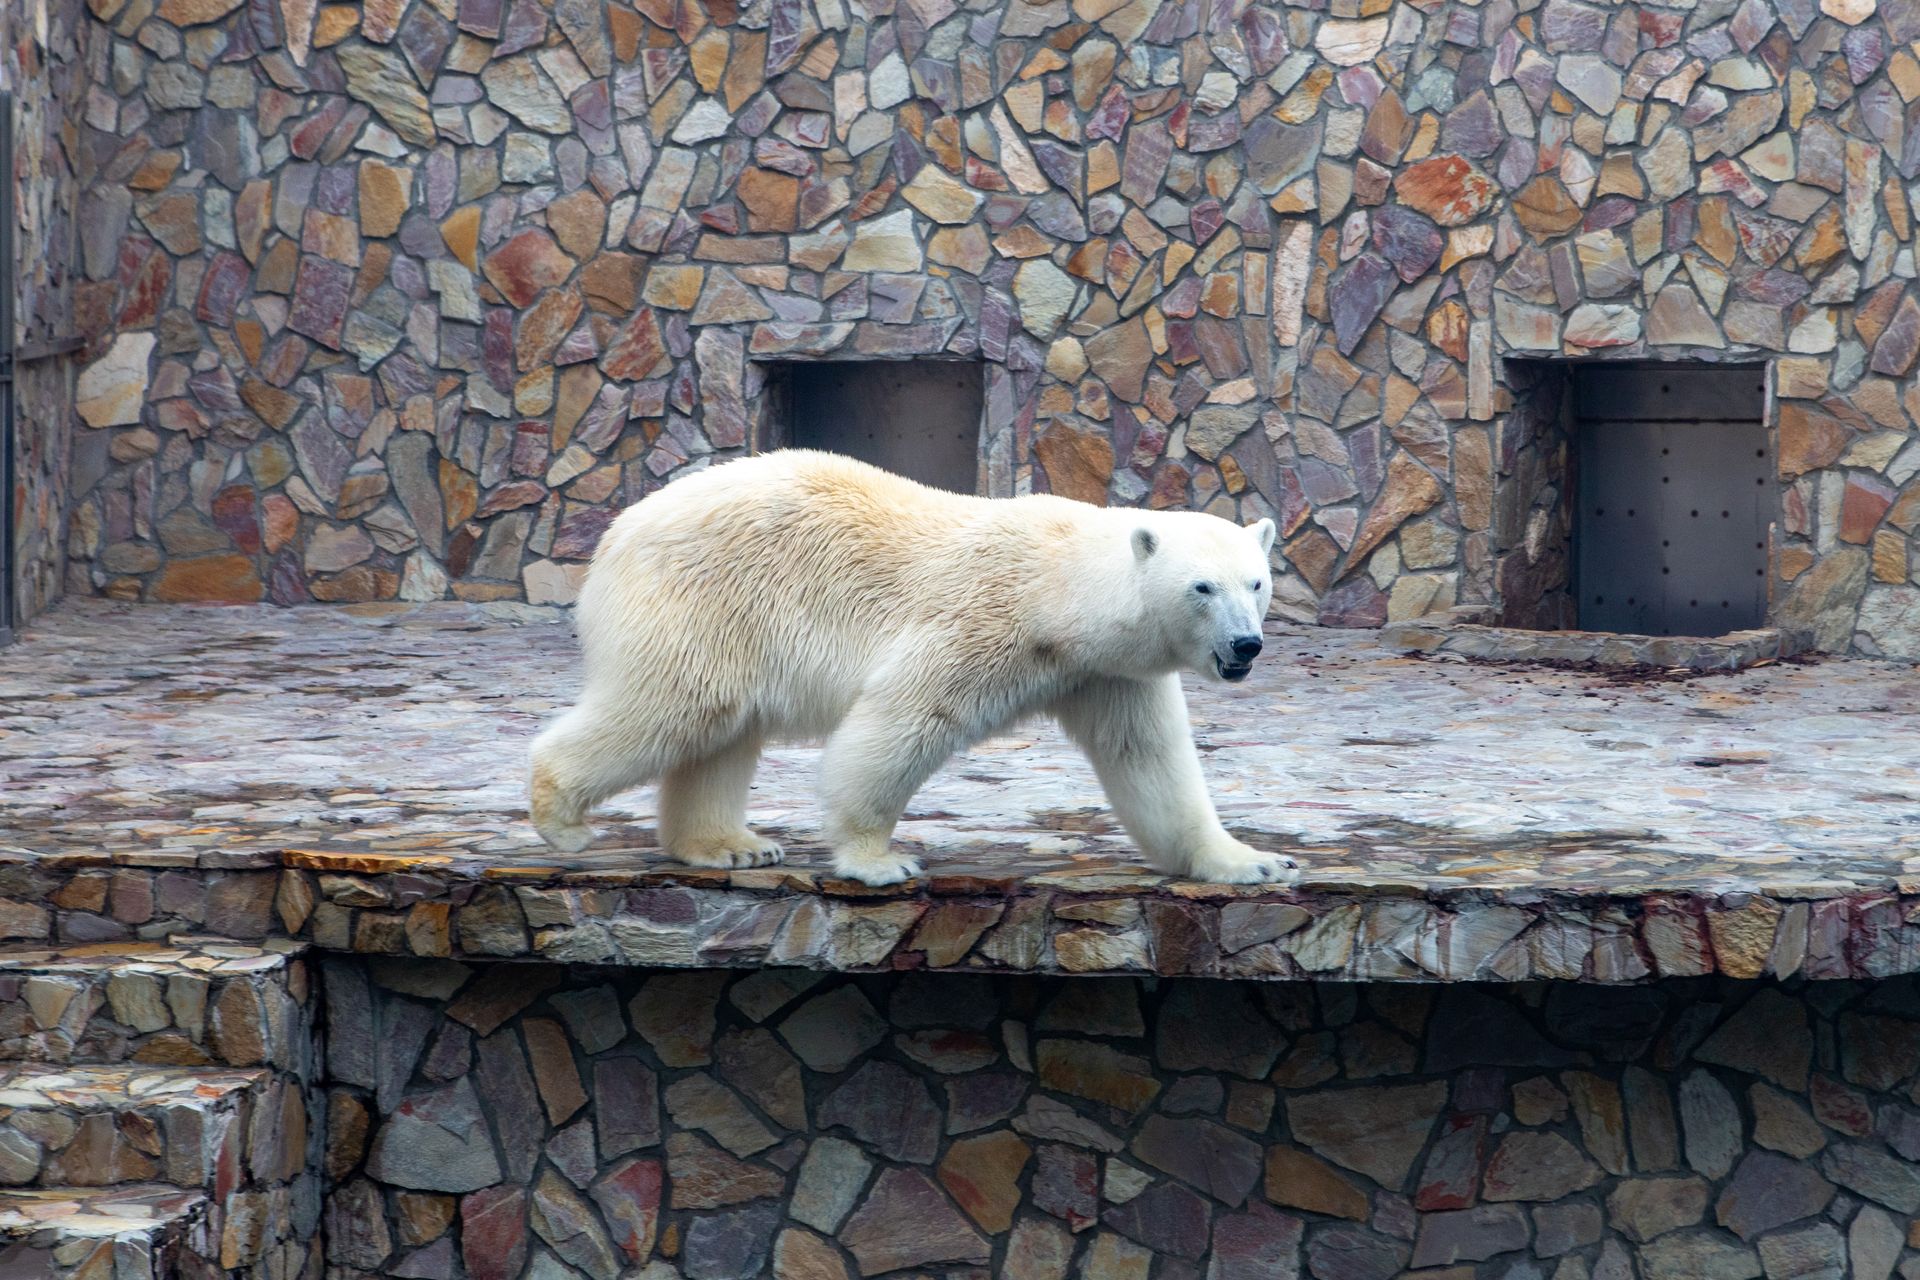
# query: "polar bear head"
[1208,582]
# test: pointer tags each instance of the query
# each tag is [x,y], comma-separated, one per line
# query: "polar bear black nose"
[1246,648]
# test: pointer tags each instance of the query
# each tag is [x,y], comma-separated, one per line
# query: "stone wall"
[406,297]
[525,1121]
[40,64]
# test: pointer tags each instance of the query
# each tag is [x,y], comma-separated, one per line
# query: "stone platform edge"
[1086,919]
[1468,632]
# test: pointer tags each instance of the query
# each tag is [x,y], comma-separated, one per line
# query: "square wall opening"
[1674,496]
[916,418]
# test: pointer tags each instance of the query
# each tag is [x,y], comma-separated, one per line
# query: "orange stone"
[1545,207]
[1079,461]
[526,266]
[613,281]
[383,198]
[1447,188]
[282,521]
[1296,1180]
[982,1175]
[771,199]
[1809,438]
[460,231]
[579,222]
[459,492]
[543,326]
[209,579]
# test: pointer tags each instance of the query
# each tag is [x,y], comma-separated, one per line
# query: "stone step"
[189,1001]
[98,1126]
[122,1233]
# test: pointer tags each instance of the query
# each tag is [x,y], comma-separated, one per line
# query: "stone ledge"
[355,781]
[1461,632]
[1083,918]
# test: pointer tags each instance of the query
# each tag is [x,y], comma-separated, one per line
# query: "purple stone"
[1055,214]
[1109,119]
[1357,297]
[425,38]
[1256,1246]
[481,17]
[1060,163]
[1168,1218]
[1569,27]
[786,35]
[1360,86]
[888,1110]
[1609,211]
[1778,288]
[1066,1185]
[1354,603]
[1473,128]
[1204,219]
[580,533]
[1409,241]
[1265,38]
[1866,51]
[321,291]
[1182,302]
[222,288]
[1213,133]
[526,28]
[1149,147]
[1174,23]
[735,1243]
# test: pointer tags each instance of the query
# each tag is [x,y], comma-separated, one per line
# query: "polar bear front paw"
[566,837]
[881,869]
[735,849]
[1237,863]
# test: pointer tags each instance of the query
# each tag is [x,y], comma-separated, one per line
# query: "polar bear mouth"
[1235,671]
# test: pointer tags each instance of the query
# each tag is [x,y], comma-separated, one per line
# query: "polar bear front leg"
[1138,737]
[881,753]
[703,810]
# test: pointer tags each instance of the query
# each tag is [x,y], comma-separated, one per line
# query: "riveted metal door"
[1676,492]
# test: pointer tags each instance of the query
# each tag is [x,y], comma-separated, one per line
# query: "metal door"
[1676,495]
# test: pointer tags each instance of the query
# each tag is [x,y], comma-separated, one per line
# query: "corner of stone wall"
[43,65]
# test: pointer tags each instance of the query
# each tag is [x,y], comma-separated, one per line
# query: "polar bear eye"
[1256,585]
[1203,588]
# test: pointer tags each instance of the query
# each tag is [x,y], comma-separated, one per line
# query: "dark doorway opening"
[1675,496]
[916,418]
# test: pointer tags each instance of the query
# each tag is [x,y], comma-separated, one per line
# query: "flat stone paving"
[141,729]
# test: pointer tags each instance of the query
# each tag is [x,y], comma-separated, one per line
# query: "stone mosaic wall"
[520,1121]
[407,297]
[41,66]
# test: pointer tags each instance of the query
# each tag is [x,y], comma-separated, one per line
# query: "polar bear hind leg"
[604,746]
[581,759]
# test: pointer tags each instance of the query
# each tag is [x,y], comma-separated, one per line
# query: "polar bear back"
[785,578]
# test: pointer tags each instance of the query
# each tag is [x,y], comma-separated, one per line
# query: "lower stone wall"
[534,1122]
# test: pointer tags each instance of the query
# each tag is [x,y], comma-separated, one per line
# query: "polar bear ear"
[1263,533]
[1144,544]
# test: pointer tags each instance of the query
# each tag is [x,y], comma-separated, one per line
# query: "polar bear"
[796,595]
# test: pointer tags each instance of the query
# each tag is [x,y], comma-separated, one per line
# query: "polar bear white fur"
[805,595]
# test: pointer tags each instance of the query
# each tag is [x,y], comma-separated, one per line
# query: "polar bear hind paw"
[1246,865]
[735,849]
